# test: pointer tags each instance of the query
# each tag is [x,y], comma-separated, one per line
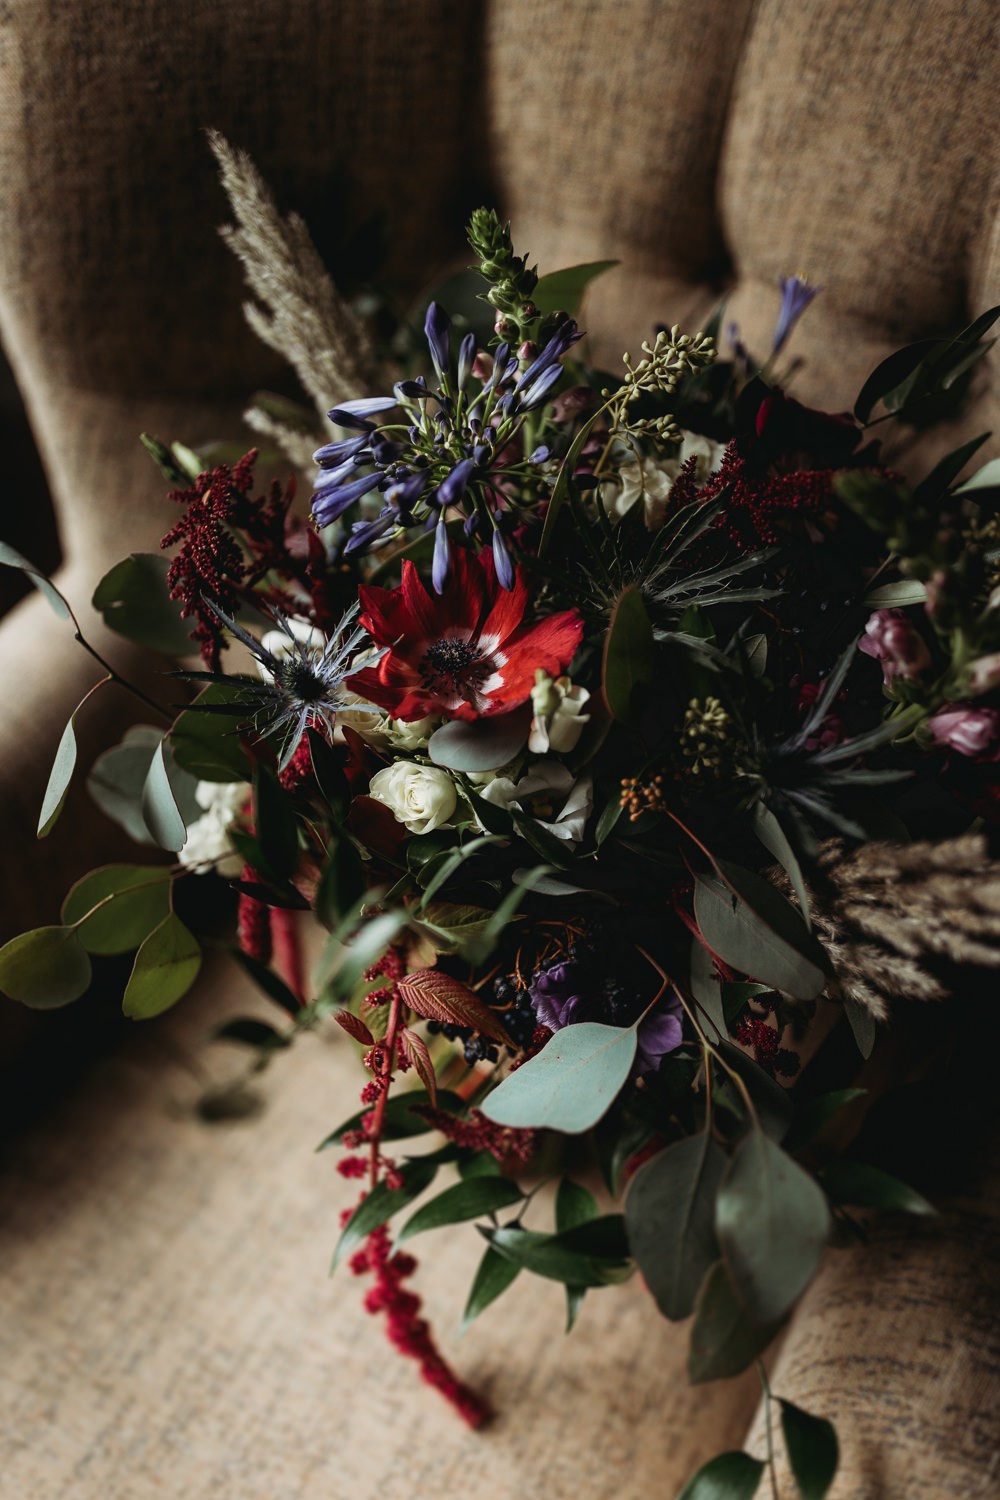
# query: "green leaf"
[248,1031]
[451,925]
[628,655]
[560,490]
[670,1216]
[342,965]
[773,1224]
[401,1118]
[725,1340]
[758,932]
[466,1200]
[562,291]
[165,968]
[608,821]
[545,844]
[728,1476]
[772,1102]
[575,1205]
[341,883]
[574,1302]
[329,773]
[771,834]
[706,989]
[493,1276]
[480,744]
[117,778]
[870,1187]
[118,906]
[862,1023]
[986,478]
[898,595]
[11,558]
[276,825]
[546,1256]
[812,1448]
[160,812]
[45,968]
[889,375]
[570,1084]
[134,602]
[266,980]
[381,1203]
[812,1118]
[59,779]
[478,949]
[207,746]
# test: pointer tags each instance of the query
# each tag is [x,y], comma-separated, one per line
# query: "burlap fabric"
[169,1331]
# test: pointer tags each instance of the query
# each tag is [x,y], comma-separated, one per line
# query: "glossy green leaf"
[812,1448]
[759,933]
[480,744]
[11,558]
[494,1275]
[670,1217]
[725,1340]
[889,375]
[208,746]
[118,906]
[165,968]
[570,1084]
[546,1256]
[60,777]
[134,601]
[160,812]
[401,1118]
[812,1118]
[628,655]
[575,1205]
[773,1224]
[774,839]
[45,968]
[728,1476]
[562,291]
[869,1187]
[470,1199]
[381,1203]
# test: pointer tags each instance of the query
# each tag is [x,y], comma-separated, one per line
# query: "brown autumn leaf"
[355,1027]
[416,1050]
[439,997]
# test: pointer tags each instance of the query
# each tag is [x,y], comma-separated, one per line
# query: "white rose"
[653,479]
[422,798]
[558,721]
[412,735]
[208,845]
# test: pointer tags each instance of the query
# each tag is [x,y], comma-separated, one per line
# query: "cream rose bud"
[422,798]
[559,717]
[412,735]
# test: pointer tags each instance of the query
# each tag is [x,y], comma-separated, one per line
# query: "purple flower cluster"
[452,449]
[568,990]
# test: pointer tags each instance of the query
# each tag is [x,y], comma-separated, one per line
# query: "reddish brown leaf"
[416,1050]
[354,1027]
[438,997]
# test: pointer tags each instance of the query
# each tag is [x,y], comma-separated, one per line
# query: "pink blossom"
[970,731]
[983,675]
[897,644]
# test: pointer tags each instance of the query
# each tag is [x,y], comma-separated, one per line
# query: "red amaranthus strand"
[287,944]
[504,1142]
[253,924]
[406,1329]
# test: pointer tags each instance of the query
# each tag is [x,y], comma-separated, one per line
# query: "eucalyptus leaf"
[706,989]
[494,1275]
[759,933]
[117,778]
[208,746]
[165,968]
[628,655]
[116,907]
[725,1340]
[670,1218]
[812,1448]
[570,1084]
[773,1224]
[45,968]
[772,1102]
[11,558]
[160,812]
[465,1200]
[771,834]
[727,1476]
[134,601]
[485,744]
[60,777]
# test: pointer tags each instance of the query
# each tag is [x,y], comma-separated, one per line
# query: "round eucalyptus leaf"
[45,968]
[135,602]
[59,779]
[670,1217]
[570,1084]
[165,968]
[118,906]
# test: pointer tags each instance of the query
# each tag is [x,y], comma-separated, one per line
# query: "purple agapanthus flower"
[796,295]
[579,988]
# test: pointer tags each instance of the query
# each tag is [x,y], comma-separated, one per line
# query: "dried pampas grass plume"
[894,918]
[299,311]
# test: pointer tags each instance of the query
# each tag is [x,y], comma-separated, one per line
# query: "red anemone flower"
[463,654]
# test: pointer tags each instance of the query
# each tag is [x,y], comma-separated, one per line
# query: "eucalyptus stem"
[769,1429]
[116,677]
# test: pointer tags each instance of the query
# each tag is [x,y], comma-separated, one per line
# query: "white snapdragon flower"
[208,845]
[549,794]
[422,798]
[558,719]
[652,480]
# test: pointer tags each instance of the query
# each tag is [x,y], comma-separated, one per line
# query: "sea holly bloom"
[464,655]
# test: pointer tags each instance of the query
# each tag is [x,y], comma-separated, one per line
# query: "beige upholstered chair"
[169,1330]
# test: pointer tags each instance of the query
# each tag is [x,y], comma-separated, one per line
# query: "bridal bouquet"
[594,716]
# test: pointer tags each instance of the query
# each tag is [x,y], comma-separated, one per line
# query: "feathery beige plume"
[890,914]
[299,313]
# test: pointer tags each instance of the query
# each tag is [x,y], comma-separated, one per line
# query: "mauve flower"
[983,675]
[970,731]
[897,644]
[573,989]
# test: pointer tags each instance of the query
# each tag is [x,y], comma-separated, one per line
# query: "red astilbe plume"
[211,563]
[406,1329]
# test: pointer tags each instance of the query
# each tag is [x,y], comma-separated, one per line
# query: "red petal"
[427,617]
[550,646]
[384,614]
[508,608]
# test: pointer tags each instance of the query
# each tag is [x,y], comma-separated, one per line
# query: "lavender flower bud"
[441,566]
[437,329]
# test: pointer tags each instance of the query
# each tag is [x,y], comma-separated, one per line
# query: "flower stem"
[389,1046]
[765,1387]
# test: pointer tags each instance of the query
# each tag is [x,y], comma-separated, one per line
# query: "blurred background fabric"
[710,147]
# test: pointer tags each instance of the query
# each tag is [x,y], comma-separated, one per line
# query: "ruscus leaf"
[493,1276]
[812,1448]
[381,1203]
[869,1187]
[466,1200]
[728,1476]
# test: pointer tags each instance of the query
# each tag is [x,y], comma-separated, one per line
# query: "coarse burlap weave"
[167,1328]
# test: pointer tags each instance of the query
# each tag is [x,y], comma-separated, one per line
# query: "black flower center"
[301,681]
[451,666]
